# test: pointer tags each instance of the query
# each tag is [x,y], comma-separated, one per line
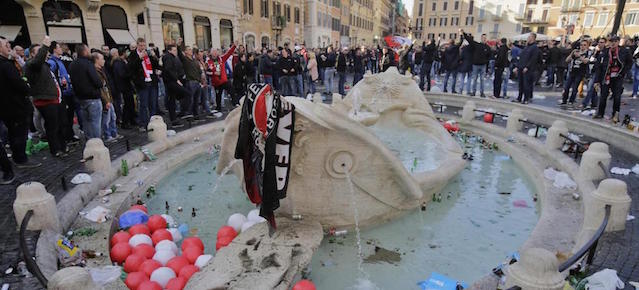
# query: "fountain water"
[356,217]
[224,172]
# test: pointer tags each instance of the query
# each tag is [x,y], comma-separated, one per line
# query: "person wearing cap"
[616,63]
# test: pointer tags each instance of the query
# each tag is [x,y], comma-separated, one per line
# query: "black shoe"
[472,95]
[453,92]
[176,125]
[28,164]
[482,95]
[7,178]
[597,116]
[445,91]
[515,101]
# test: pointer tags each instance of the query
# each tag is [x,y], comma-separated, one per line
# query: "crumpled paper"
[81,178]
[98,214]
[620,171]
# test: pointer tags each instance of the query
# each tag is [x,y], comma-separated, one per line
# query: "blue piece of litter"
[438,281]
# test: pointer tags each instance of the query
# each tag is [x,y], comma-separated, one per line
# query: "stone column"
[71,278]
[97,156]
[538,269]
[468,114]
[553,140]
[613,192]
[513,124]
[157,128]
[33,196]
[589,167]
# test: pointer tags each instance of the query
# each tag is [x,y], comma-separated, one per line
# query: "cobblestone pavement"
[618,250]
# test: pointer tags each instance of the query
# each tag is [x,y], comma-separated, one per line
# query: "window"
[431,35]
[480,28]
[319,19]
[277,9]
[172,28]
[248,7]
[445,6]
[631,18]
[544,15]
[202,32]
[264,8]
[482,13]
[531,2]
[434,6]
[498,10]
[297,15]
[265,42]
[115,27]
[287,12]
[456,6]
[603,19]
[521,9]
[518,28]
[541,29]
[573,19]
[421,7]
[547,2]
[226,32]
[471,4]
[592,2]
[452,36]
[63,21]
[469,20]
[496,27]
[529,14]
[249,41]
[441,21]
[588,19]
[445,21]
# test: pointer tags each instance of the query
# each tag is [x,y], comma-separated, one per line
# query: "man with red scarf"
[144,69]
[217,71]
[616,62]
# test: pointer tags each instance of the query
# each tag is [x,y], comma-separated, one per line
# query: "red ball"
[177,263]
[140,229]
[160,235]
[133,262]
[120,252]
[149,285]
[156,222]
[176,283]
[192,241]
[488,117]
[188,271]
[226,231]
[140,207]
[120,237]
[134,279]
[145,250]
[304,285]
[149,266]
[223,242]
[191,253]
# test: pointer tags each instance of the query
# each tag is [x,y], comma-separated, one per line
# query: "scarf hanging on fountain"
[264,144]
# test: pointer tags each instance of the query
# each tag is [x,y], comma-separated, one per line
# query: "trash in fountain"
[383,255]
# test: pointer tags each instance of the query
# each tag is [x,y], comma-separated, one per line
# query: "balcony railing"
[520,16]
[481,18]
[278,22]
[497,17]
[570,8]
[535,21]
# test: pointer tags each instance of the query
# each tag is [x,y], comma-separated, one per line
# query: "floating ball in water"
[150,285]
[175,233]
[119,252]
[177,263]
[156,222]
[226,231]
[167,245]
[120,237]
[134,279]
[192,253]
[488,117]
[304,285]
[247,225]
[145,250]
[140,207]
[161,235]
[254,215]
[176,283]
[190,241]
[202,260]
[133,262]
[149,266]
[169,220]
[222,242]
[162,275]
[163,256]
[139,229]
[187,271]
[236,220]
[140,239]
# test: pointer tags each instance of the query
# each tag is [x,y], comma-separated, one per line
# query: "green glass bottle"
[125,168]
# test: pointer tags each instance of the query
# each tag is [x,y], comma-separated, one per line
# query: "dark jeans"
[499,72]
[551,74]
[341,83]
[357,77]
[5,164]
[176,92]
[69,107]
[18,130]
[53,116]
[573,81]
[128,110]
[561,75]
[148,102]
[218,94]
[450,73]
[196,97]
[425,72]
[616,87]
[526,83]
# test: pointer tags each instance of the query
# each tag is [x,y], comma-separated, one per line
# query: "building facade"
[443,18]
[361,20]
[382,10]
[271,23]
[118,23]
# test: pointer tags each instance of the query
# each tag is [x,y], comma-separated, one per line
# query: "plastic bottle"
[22,269]
[125,168]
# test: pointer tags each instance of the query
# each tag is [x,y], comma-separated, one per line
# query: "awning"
[66,34]
[10,32]
[121,36]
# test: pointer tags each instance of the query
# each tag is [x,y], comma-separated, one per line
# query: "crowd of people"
[47,87]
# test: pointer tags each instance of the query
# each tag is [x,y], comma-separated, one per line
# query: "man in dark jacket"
[266,67]
[359,65]
[175,80]
[387,59]
[481,57]
[68,99]
[122,81]
[465,67]
[578,65]
[193,79]
[87,85]
[144,69]
[450,61]
[527,68]
[616,63]
[426,62]
[15,110]
[286,68]
[328,63]
[241,73]
[341,71]
[554,53]
[594,84]
[501,62]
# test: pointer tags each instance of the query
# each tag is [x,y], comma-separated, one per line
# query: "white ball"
[169,220]
[140,239]
[202,260]
[235,221]
[162,275]
[254,215]
[175,233]
[247,225]
[163,256]
[165,245]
